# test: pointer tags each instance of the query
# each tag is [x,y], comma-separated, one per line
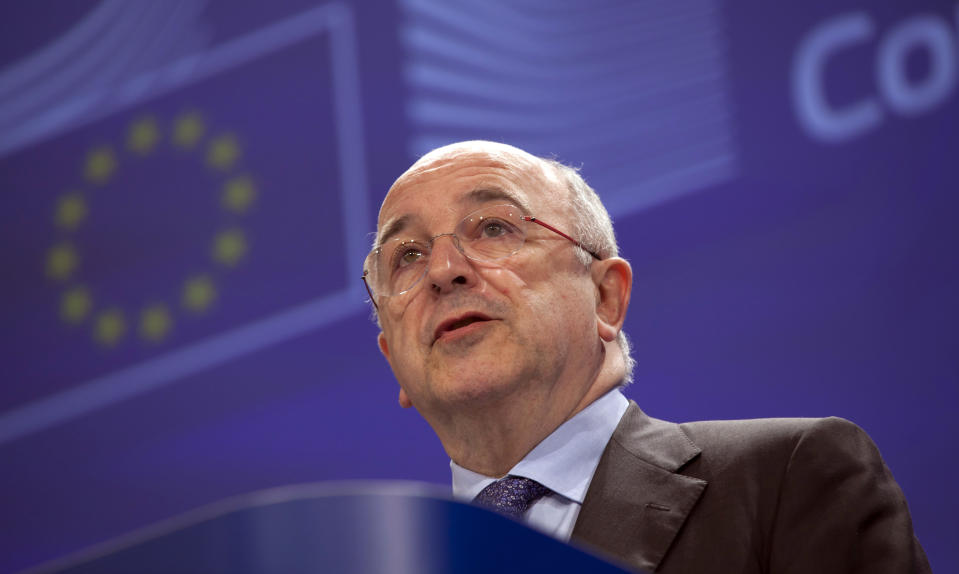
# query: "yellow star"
[238,194]
[143,135]
[155,322]
[62,260]
[223,152]
[188,129]
[75,305]
[109,327]
[71,210]
[198,293]
[101,163]
[229,247]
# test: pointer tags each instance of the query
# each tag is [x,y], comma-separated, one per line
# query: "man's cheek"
[399,306]
[505,281]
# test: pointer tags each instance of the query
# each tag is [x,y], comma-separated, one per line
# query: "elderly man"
[501,298]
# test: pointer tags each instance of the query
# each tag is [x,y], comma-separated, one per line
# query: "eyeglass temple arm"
[367,285]
[532,219]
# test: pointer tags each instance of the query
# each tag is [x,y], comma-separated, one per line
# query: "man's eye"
[493,229]
[408,256]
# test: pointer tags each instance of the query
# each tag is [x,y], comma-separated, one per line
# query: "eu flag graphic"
[170,222]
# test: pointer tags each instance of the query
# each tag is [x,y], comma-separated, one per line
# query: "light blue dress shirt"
[564,462]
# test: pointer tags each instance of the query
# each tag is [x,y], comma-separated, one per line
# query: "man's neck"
[494,440]
[492,449]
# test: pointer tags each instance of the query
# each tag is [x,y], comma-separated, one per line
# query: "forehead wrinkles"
[475,174]
[462,170]
[477,196]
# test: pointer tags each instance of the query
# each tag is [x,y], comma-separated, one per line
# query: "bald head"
[503,155]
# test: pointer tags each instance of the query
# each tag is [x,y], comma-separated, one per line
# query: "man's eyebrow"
[492,193]
[476,196]
[392,228]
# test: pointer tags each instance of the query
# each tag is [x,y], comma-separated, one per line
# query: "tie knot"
[511,495]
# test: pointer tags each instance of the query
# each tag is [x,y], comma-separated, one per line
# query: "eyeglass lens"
[488,234]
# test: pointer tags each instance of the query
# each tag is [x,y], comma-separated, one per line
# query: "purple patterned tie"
[511,495]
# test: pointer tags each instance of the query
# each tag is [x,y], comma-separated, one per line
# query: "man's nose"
[449,266]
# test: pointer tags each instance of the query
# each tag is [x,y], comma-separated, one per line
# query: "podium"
[362,527]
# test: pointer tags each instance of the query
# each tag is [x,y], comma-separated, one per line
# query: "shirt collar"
[564,461]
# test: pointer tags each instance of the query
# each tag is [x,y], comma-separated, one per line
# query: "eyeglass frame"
[528,218]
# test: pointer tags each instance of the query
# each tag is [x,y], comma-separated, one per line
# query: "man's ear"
[384,346]
[405,401]
[614,282]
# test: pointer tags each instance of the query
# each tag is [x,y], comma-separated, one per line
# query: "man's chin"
[472,379]
[475,394]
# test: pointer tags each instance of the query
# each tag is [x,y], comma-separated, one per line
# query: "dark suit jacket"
[809,496]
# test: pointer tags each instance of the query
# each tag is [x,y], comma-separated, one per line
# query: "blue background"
[791,232]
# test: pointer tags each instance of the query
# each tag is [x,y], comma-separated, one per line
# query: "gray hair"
[592,227]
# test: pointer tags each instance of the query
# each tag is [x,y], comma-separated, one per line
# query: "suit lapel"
[636,502]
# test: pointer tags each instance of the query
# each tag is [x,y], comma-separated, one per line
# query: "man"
[501,298]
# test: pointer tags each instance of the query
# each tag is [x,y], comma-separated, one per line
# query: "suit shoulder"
[769,440]
[767,430]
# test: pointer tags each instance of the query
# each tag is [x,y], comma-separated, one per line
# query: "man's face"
[471,334]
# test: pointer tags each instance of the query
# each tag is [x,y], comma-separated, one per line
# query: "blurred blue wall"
[188,189]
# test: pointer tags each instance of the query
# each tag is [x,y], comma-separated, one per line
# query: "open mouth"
[457,323]
[464,322]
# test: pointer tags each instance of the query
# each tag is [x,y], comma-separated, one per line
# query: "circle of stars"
[153,323]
